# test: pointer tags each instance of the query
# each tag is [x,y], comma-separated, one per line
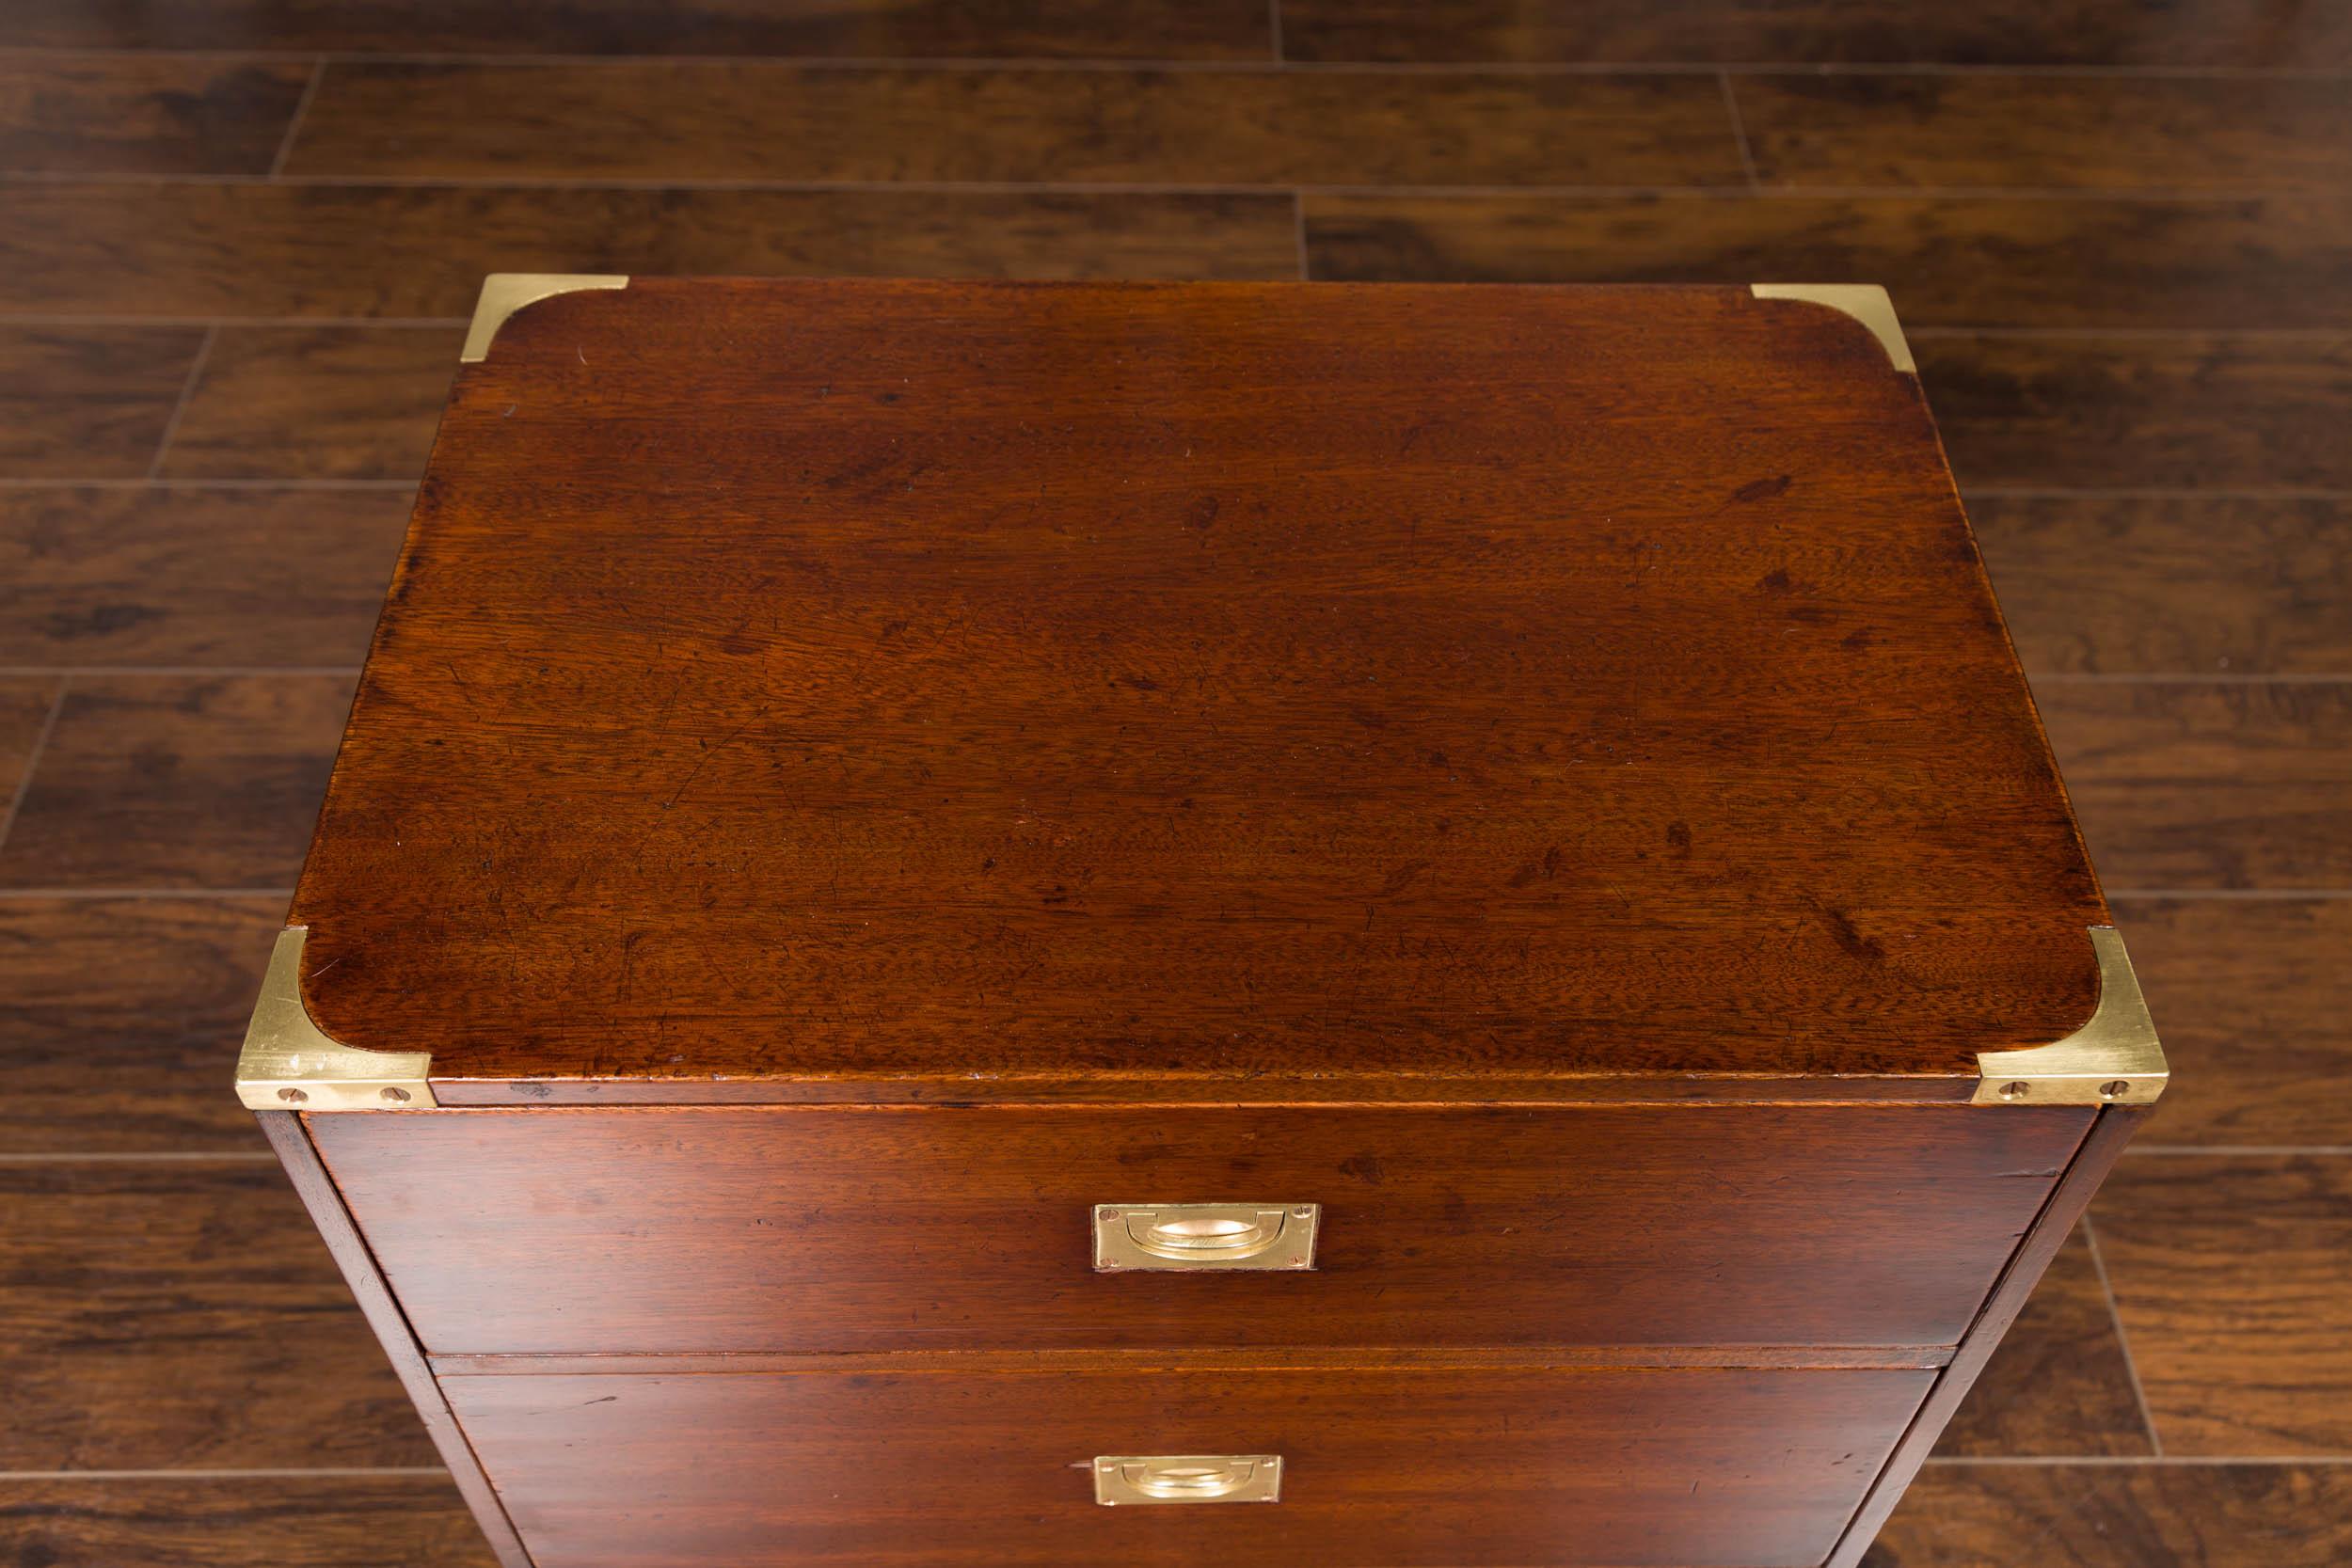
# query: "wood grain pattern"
[146,114]
[88,401]
[2109,1135]
[2123,1516]
[121,1015]
[2004,32]
[201,248]
[1132,29]
[2255,1003]
[171,575]
[1084,718]
[1975,131]
[2234,1280]
[778,1229]
[2186,785]
[1949,260]
[287,1139]
[2061,1383]
[182,1316]
[177,781]
[2180,411]
[25,704]
[286,1521]
[2125,584]
[709,120]
[315,403]
[1403,1468]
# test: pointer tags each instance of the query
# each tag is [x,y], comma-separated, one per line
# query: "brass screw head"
[291,1097]
[2115,1090]
[2013,1091]
[395,1095]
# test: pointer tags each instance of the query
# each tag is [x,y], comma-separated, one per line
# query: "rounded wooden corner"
[2114,1059]
[290,1064]
[1866,303]
[503,294]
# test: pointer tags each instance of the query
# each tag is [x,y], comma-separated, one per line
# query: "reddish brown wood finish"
[782,1229]
[1421,1470]
[996,691]
[284,1130]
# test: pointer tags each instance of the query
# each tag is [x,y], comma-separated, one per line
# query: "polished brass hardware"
[506,293]
[289,1065]
[1201,1236]
[2112,1060]
[1865,302]
[1187,1478]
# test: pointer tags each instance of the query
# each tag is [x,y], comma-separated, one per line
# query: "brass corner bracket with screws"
[2112,1060]
[1865,302]
[288,1064]
[506,293]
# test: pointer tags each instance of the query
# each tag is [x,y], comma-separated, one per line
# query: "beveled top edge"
[506,293]
[1866,303]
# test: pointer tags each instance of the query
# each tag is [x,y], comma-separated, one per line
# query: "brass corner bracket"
[289,1065]
[506,293]
[1865,302]
[2112,1060]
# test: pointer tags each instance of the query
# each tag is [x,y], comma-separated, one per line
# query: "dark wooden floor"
[238,241]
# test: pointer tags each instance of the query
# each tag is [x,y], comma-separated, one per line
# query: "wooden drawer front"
[789,1229]
[1746,1470]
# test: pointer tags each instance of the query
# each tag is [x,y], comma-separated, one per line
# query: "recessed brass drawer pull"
[1205,1236]
[1187,1478]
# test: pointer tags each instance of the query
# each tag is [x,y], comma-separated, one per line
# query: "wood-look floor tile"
[2190,785]
[25,704]
[173,781]
[2060,1384]
[2120,584]
[147,114]
[2253,999]
[282,1521]
[184,1316]
[184,575]
[2267,261]
[88,401]
[2122,1517]
[2234,1275]
[315,403]
[711,120]
[123,1020]
[1806,32]
[205,249]
[2191,411]
[898,29]
[1987,131]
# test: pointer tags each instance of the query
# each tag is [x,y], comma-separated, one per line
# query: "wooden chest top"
[966,691]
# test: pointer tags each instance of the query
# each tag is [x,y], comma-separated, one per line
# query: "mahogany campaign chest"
[1195,924]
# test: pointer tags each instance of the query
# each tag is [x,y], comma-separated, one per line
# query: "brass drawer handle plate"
[1202,1236]
[1187,1478]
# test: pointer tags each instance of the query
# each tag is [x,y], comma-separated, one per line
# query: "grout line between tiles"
[188,395]
[1734,191]
[2165,677]
[2094,492]
[2121,1462]
[157,893]
[2123,1339]
[1083,63]
[1738,132]
[32,759]
[2225,892]
[2238,1151]
[294,124]
[74,1157]
[346,1471]
[183,671]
